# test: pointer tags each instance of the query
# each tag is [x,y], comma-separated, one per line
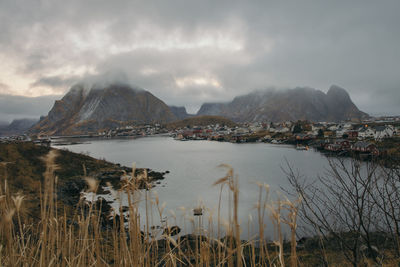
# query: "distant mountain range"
[24,107]
[90,109]
[288,105]
[16,127]
[180,112]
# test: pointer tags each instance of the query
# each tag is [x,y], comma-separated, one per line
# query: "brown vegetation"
[83,240]
[92,234]
[354,210]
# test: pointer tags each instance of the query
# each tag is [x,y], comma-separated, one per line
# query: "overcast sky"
[190,52]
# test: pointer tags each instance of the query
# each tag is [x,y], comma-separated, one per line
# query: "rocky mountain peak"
[300,103]
[100,107]
[335,90]
[18,126]
[180,112]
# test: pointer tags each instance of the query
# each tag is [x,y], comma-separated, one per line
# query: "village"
[376,137]
[373,137]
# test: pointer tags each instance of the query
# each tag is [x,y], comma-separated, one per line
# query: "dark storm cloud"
[189,52]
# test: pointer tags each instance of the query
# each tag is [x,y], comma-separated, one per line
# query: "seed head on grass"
[161,209]
[170,239]
[125,176]
[9,215]
[210,215]
[182,208]
[156,198]
[113,192]
[222,180]
[49,160]
[190,218]
[172,214]
[92,184]
[18,201]
[228,178]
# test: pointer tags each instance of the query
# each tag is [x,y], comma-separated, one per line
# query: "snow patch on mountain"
[88,109]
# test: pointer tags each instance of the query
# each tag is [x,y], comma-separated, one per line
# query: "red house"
[362,146]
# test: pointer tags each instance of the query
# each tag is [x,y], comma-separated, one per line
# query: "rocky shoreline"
[22,165]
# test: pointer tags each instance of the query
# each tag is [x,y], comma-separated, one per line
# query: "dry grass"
[91,239]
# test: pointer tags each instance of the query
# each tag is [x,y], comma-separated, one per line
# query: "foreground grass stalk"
[88,237]
[236,221]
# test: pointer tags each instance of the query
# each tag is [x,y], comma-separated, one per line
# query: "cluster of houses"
[364,131]
[343,145]
[250,132]
[131,130]
[15,138]
[346,138]
[209,132]
[284,130]
[333,137]
[24,138]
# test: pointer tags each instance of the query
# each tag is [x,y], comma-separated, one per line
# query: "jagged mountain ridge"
[84,110]
[288,105]
[90,109]
[180,112]
[18,126]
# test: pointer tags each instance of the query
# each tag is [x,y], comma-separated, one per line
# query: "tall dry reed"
[91,237]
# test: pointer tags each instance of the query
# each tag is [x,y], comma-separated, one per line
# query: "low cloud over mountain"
[288,105]
[18,107]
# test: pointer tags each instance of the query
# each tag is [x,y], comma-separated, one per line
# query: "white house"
[385,131]
[347,126]
[255,127]
[316,126]
[282,129]
[333,127]
[241,131]
[366,132]
[340,132]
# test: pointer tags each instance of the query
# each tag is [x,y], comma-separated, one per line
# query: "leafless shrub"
[353,206]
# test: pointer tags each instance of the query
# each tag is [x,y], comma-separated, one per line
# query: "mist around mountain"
[301,103]
[16,127]
[90,109]
[22,107]
[180,112]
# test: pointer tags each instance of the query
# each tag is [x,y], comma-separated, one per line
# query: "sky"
[190,52]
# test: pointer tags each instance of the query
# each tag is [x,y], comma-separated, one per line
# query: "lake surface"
[193,167]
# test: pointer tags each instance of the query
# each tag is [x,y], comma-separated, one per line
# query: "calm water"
[193,167]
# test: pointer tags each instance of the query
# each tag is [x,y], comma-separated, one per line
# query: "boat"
[301,147]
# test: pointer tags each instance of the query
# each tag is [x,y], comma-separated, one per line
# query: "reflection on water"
[193,167]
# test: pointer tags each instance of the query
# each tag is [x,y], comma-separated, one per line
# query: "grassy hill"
[22,168]
[201,121]
[22,165]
